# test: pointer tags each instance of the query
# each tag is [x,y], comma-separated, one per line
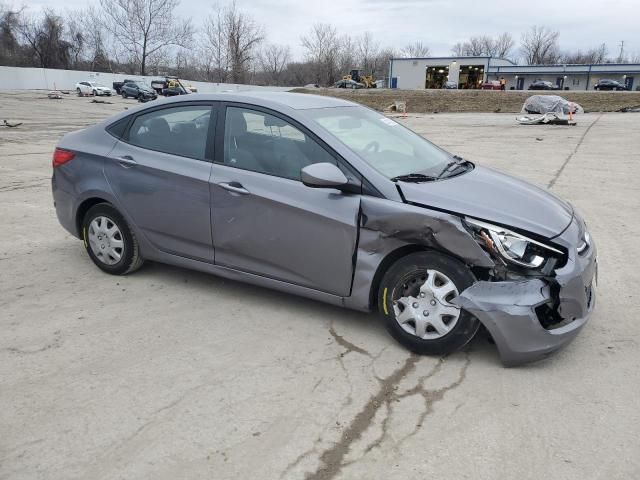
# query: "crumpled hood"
[494,197]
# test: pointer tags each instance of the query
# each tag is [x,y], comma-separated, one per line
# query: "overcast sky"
[437,23]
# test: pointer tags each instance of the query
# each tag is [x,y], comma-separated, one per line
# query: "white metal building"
[471,72]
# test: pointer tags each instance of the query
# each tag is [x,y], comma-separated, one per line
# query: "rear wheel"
[79,92]
[414,299]
[109,241]
[124,95]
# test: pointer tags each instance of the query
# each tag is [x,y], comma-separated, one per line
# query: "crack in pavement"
[57,340]
[332,459]
[552,182]
[350,347]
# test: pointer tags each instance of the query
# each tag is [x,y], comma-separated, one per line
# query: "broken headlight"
[512,247]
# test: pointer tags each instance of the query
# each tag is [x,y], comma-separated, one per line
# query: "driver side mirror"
[323,175]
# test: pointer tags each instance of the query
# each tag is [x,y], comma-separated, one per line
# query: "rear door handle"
[127,161]
[234,187]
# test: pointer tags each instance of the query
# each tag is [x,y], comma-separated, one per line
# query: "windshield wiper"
[457,162]
[414,178]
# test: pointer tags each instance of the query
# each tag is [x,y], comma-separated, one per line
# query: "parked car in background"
[117,86]
[138,90]
[450,85]
[348,83]
[92,88]
[334,201]
[606,84]
[491,85]
[543,85]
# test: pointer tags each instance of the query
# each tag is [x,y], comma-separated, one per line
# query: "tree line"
[147,37]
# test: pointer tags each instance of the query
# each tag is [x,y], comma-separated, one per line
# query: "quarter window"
[265,143]
[177,130]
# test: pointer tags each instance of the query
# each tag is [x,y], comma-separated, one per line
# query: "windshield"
[387,146]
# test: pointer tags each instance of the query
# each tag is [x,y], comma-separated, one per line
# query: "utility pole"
[621,56]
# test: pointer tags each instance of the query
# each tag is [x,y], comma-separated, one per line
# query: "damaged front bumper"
[513,311]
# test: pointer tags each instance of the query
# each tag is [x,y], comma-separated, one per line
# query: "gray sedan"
[327,199]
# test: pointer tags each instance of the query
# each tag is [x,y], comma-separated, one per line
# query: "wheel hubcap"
[424,309]
[105,240]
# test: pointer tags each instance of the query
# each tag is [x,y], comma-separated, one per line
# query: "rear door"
[159,171]
[264,220]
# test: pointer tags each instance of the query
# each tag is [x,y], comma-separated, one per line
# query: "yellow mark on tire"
[384,301]
[84,237]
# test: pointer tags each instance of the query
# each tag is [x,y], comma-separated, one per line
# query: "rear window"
[118,128]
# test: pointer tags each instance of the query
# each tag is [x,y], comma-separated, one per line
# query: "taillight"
[60,157]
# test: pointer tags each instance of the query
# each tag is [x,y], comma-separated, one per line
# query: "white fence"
[18,78]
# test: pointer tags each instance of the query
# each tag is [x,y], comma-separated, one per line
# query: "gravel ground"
[170,373]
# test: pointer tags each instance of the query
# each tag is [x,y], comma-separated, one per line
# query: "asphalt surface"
[170,373]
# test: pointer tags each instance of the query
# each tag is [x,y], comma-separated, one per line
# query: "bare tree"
[485,45]
[143,28]
[44,36]
[367,50]
[96,39]
[74,34]
[230,43]
[539,46]
[273,61]
[214,47]
[415,49]
[502,45]
[243,36]
[323,47]
[9,31]
[595,55]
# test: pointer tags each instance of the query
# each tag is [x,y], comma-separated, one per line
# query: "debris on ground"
[548,110]
[397,106]
[546,119]
[54,95]
[11,125]
[95,100]
[542,104]
[629,109]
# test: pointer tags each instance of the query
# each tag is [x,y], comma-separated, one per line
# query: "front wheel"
[79,92]
[109,241]
[124,95]
[414,299]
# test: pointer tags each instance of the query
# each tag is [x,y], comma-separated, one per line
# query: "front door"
[160,175]
[520,83]
[560,82]
[264,220]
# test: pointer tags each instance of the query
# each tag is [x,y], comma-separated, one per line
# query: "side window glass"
[177,130]
[265,143]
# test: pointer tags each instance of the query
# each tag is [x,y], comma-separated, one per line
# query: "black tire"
[140,97]
[79,92]
[395,279]
[131,259]
[95,93]
[124,95]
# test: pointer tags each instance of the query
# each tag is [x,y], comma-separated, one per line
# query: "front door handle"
[127,161]
[235,187]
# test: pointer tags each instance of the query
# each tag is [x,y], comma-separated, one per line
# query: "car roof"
[280,101]
[296,101]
